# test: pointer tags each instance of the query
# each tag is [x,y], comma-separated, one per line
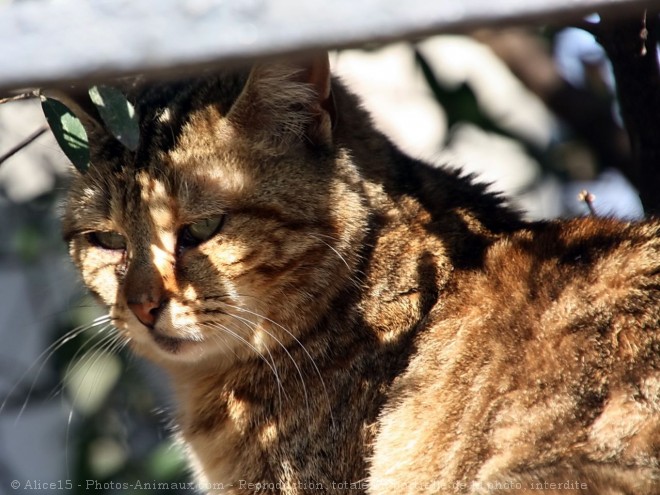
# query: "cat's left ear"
[282,102]
[316,72]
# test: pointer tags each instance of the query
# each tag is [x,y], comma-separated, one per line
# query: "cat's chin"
[163,348]
[169,351]
[171,345]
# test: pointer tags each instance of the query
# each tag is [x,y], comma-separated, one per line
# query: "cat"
[336,316]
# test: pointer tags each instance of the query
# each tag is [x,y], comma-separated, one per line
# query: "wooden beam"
[50,43]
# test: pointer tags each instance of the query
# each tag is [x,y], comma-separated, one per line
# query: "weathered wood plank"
[45,43]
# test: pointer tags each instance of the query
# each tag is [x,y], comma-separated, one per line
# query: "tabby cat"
[338,317]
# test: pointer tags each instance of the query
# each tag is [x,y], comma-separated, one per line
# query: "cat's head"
[233,225]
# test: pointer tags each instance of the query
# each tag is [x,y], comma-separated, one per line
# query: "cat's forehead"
[197,190]
[180,125]
[167,110]
[176,187]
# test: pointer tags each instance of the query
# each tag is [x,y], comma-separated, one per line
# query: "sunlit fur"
[360,317]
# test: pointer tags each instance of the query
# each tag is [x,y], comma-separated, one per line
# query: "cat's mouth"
[170,344]
[164,338]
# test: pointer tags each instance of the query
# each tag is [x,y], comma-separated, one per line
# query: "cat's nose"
[147,312]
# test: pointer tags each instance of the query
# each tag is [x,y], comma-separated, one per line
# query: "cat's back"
[538,369]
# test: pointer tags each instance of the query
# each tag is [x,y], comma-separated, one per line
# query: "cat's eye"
[107,240]
[201,231]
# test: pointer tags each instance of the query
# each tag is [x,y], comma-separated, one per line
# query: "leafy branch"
[116,112]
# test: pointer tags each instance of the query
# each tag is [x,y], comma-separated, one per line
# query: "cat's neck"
[233,416]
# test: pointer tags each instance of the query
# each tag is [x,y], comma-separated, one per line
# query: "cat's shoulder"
[531,359]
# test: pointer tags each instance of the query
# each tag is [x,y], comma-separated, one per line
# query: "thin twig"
[644,36]
[23,96]
[588,199]
[23,143]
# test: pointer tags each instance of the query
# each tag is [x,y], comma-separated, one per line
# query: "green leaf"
[68,131]
[118,114]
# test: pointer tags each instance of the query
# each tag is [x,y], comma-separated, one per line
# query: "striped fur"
[362,322]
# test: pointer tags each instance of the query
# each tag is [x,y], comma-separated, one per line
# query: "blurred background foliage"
[530,110]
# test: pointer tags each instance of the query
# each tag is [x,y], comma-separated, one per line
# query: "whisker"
[89,361]
[353,279]
[45,356]
[333,249]
[331,237]
[107,344]
[240,338]
[270,364]
[86,347]
[75,363]
[280,388]
[298,370]
[297,341]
